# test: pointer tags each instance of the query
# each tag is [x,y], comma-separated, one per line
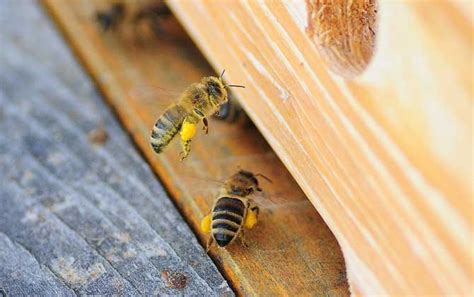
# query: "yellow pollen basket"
[250,219]
[187,131]
[206,224]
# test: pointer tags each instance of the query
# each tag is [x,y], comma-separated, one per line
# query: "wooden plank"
[79,216]
[384,155]
[291,250]
[40,279]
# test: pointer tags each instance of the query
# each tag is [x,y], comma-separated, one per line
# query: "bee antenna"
[265,177]
[235,86]
[222,74]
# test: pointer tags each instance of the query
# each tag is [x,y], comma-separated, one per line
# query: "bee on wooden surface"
[233,211]
[196,103]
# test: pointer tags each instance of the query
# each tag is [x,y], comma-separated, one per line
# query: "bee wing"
[206,186]
[154,95]
[264,200]
[273,201]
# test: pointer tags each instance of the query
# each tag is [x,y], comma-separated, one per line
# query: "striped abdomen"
[227,218]
[166,127]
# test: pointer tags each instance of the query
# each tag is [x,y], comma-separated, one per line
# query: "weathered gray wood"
[78,217]
[55,246]
[30,277]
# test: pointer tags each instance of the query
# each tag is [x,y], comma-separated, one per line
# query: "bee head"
[243,183]
[216,90]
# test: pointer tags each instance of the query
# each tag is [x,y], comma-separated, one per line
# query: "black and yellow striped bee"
[196,103]
[233,211]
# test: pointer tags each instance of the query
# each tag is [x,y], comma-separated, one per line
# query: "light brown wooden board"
[291,250]
[386,155]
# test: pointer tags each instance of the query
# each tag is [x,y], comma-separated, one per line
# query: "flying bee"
[234,210]
[196,103]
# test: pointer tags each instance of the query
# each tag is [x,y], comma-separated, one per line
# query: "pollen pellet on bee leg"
[187,131]
[206,224]
[250,219]
[186,145]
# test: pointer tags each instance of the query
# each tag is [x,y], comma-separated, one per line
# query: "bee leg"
[186,145]
[242,239]
[209,243]
[206,125]
[256,210]
[188,129]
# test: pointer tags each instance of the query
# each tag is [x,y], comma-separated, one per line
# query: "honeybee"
[234,210]
[196,103]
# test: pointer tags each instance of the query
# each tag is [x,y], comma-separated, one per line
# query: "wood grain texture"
[79,217]
[385,157]
[291,250]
